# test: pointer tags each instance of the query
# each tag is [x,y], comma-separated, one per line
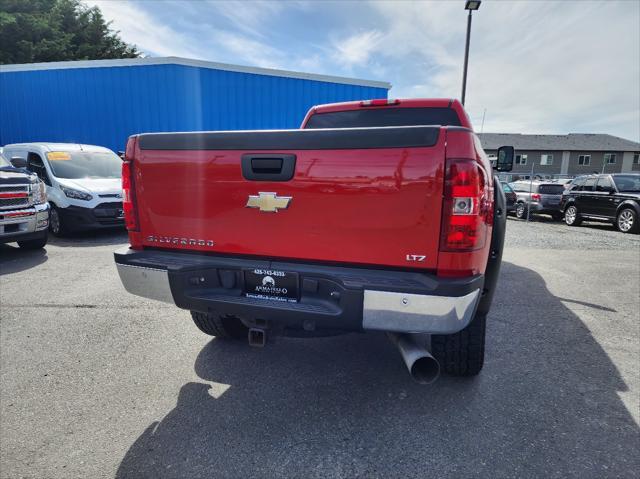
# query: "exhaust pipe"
[422,366]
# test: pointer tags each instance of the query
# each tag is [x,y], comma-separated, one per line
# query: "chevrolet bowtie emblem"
[269,202]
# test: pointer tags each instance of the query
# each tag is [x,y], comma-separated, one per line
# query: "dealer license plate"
[272,285]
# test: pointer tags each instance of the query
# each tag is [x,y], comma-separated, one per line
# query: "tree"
[57,30]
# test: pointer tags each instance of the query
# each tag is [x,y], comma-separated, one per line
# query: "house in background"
[569,155]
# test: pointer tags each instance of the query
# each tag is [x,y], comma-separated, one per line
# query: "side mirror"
[18,162]
[505,157]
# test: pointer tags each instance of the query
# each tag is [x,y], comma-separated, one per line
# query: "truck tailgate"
[357,196]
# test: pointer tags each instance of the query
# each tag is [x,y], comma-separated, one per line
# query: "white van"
[84,185]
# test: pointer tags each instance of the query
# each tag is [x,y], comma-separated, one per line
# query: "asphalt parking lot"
[97,383]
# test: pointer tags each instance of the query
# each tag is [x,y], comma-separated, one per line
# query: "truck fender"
[495,252]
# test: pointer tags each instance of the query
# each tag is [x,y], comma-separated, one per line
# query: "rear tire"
[521,211]
[228,327]
[572,216]
[461,353]
[34,243]
[627,221]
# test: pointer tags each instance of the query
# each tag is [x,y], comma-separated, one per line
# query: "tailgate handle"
[268,166]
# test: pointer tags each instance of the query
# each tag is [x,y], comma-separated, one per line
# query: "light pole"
[471,5]
[530,190]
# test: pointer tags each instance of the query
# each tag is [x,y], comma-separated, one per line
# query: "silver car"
[538,197]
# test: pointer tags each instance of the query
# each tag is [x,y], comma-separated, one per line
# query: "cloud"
[187,29]
[141,29]
[535,66]
[247,16]
[356,50]
[581,71]
[250,51]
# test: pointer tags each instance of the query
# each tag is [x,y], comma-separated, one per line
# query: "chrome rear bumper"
[334,298]
[146,282]
[418,313]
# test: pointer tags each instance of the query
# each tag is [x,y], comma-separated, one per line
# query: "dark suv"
[610,198]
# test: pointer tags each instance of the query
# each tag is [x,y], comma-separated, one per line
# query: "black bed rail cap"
[316,139]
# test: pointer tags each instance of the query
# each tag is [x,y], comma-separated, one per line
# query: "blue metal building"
[102,102]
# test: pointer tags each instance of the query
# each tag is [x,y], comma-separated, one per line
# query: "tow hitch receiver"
[257,337]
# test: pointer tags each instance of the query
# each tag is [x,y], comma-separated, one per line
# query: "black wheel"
[34,243]
[627,221]
[462,353]
[56,226]
[521,211]
[220,326]
[572,216]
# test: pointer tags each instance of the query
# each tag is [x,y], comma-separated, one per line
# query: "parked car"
[24,211]
[613,198]
[510,196]
[254,245]
[84,185]
[539,196]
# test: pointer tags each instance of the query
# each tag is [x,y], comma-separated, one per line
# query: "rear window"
[627,183]
[364,118]
[551,189]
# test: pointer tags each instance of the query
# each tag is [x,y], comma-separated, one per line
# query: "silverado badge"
[268,202]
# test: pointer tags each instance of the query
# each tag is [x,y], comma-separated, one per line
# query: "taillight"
[535,197]
[380,102]
[128,189]
[467,208]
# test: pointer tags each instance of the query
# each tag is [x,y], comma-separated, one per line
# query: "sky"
[534,67]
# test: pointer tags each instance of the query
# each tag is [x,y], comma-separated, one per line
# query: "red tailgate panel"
[366,206]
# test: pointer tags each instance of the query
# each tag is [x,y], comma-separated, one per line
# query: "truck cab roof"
[451,106]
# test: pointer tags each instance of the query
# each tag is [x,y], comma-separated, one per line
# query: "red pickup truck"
[375,215]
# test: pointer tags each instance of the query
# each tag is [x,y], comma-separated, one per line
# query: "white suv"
[84,185]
